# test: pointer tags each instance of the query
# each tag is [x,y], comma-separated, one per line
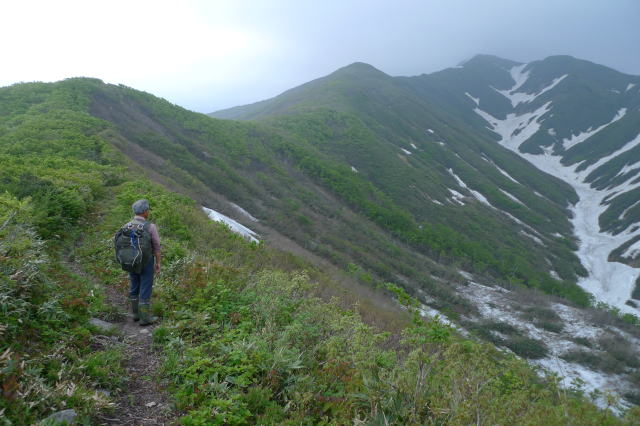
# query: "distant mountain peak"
[360,68]
[489,60]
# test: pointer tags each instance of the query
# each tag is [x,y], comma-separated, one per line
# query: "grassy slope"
[244,335]
[360,117]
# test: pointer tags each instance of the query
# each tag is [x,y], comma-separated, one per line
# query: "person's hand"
[157,268]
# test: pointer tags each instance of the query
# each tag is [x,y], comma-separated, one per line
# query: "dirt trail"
[142,400]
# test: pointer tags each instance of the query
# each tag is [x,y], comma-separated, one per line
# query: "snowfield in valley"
[610,282]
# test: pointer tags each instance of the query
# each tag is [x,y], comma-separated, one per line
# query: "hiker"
[138,252]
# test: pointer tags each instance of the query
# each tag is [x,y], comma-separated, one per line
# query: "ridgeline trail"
[142,399]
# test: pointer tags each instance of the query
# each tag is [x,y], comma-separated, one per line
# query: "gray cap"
[140,206]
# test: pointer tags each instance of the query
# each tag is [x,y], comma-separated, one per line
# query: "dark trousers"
[142,283]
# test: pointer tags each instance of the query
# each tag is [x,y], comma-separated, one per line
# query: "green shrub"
[104,368]
[502,327]
[527,347]
[586,358]
[633,397]
[582,341]
[620,349]
[549,326]
[161,335]
[595,360]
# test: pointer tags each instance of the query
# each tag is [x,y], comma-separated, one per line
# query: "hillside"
[250,333]
[451,120]
[574,120]
[434,167]
[580,115]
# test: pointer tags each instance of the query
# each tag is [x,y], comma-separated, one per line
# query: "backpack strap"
[137,224]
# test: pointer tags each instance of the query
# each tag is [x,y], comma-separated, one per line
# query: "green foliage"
[244,343]
[594,360]
[54,168]
[42,340]
[245,336]
[583,341]
[278,166]
[510,337]
[382,197]
[544,318]
[615,356]
[527,347]
[27,297]
[104,368]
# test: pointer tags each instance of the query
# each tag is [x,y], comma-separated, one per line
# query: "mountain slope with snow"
[572,119]
[546,150]
[579,122]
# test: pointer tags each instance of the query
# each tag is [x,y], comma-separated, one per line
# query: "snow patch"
[465,274]
[457,178]
[518,221]
[429,312]
[512,197]
[353,169]
[406,151]
[457,197]
[476,100]
[630,86]
[583,136]
[569,372]
[520,78]
[627,147]
[413,146]
[533,237]
[243,212]
[232,224]
[506,174]
[553,84]
[480,197]
[476,194]
[515,129]
[499,169]
[430,130]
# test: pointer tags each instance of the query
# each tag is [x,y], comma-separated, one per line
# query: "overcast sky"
[209,55]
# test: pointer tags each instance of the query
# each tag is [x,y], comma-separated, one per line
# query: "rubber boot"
[134,307]
[145,314]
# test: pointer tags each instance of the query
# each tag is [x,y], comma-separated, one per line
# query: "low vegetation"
[246,343]
[544,318]
[248,334]
[51,358]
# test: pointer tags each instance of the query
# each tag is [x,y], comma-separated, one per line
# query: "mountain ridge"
[488,88]
[384,185]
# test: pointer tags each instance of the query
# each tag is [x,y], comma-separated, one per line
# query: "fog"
[209,55]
